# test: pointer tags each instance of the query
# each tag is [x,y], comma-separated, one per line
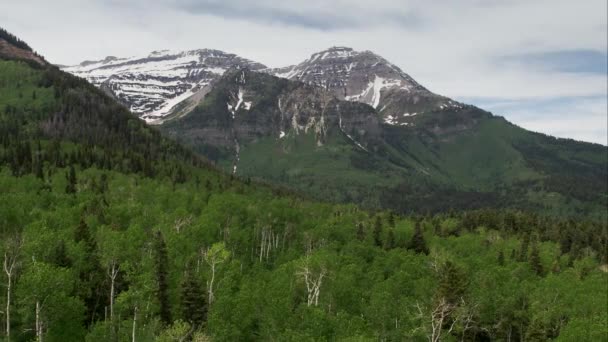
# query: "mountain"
[111,232]
[152,86]
[363,76]
[245,107]
[302,136]
[350,126]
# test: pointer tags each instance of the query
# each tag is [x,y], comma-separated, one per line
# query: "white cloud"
[449,47]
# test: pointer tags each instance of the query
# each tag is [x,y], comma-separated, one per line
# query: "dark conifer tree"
[390,240]
[360,231]
[70,188]
[60,256]
[523,252]
[162,281]
[378,232]
[535,262]
[452,283]
[501,258]
[92,276]
[391,219]
[418,244]
[193,299]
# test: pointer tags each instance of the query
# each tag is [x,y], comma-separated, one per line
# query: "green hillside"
[454,158]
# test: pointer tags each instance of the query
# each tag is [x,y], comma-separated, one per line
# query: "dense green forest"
[104,256]
[110,232]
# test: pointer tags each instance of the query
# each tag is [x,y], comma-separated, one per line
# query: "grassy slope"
[486,159]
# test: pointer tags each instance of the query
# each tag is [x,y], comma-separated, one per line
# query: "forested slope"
[110,232]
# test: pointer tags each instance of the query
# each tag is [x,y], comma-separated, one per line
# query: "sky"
[541,64]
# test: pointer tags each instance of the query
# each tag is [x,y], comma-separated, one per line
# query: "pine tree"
[71,177]
[60,256]
[452,283]
[523,252]
[193,303]
[162,264]
[535,261]
[391,219]
[390,240]
[501,258]
[360,232]
[418,244]
[378,232]
[91,277]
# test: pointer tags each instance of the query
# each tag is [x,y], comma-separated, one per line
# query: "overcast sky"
[540,63]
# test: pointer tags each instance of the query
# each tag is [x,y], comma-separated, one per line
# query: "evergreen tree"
[193,303]
[390,240]
[60,256]
[452,283]
[418,244]
[360,231]
[378,232]
[71,178]
[161,268]
[501,258]
[91,276]
[535,261]
[391,219]
[523,252]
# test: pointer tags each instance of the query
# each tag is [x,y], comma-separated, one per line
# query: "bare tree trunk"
[8,310]
[211,283]
[112,274]
[38,323]
[10,260]
[134,324]
[313,285]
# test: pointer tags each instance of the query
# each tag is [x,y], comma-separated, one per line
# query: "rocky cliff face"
[152,86]
[363,76]
[10,51]
[245,106]
[167,84]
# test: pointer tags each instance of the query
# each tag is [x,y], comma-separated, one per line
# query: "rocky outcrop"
[245,106]
[10,51]
[363,76]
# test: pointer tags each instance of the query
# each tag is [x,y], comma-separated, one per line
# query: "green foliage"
[144,228]
[367,291]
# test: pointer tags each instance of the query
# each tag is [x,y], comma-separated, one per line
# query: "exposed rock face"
[8,50]
[368,78]
[167,84]
[245,106]
[152,86]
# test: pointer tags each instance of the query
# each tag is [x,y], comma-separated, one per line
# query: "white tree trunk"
[211,283]
[8,310]
[313,284]
[112,274]
[9,266]
[134,324]
[39,334]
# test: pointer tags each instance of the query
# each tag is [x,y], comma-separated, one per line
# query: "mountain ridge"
[349,126]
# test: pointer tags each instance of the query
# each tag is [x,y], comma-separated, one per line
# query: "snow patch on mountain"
[153,85]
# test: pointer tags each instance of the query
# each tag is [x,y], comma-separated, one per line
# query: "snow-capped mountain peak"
[363,76]
[352,75]
[152,85]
